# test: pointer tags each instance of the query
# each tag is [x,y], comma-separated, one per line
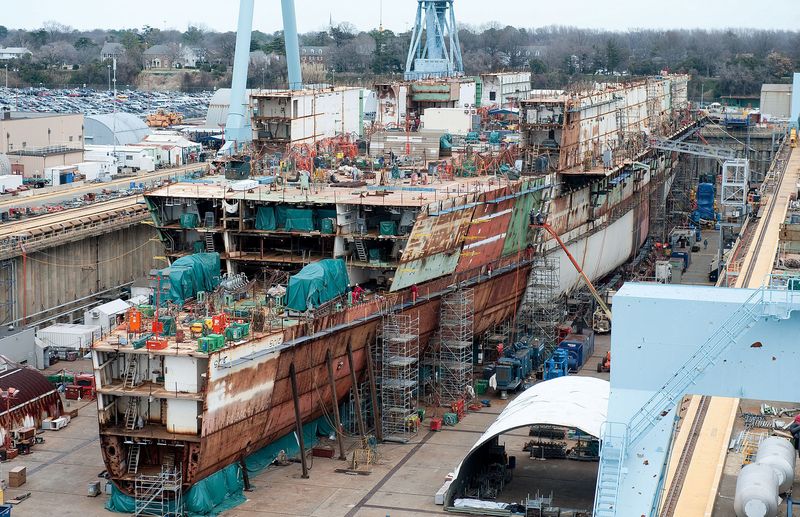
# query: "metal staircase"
[361,250]
[609,473]
[160,494]
[776,301]
[131,414]
[210,247]
[134,452]
[129,381]
[662,402]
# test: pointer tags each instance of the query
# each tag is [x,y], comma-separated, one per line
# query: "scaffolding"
[349,418]
[500,334]
[399,340]
[160,494]
[541,311]
[454,358]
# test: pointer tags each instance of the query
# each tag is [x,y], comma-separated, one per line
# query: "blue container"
[5,510]
[579,348]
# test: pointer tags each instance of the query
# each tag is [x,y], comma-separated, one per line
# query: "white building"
[505,88]
[776,101]
[135,158]
[114,129]
[306,116]
[172,148]
[106,315]
[9,53]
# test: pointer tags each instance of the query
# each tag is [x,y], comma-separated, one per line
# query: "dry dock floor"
[402,484]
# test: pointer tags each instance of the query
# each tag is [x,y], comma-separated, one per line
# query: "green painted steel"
[519,233]
[424,269]
[431,97]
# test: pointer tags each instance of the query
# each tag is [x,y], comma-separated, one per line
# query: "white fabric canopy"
[572,401]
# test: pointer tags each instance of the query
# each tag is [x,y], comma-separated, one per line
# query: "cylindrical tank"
[779,454]
[756,492]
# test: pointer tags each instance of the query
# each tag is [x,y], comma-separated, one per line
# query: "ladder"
[210,247]
[663,401]
[131,413]
[609,473]
[133,458]
[361,250]
[129,381]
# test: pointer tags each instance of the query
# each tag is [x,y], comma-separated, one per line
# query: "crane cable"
[91,264]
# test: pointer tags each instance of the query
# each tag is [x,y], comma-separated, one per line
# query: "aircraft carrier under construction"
[294,281]
[349,254]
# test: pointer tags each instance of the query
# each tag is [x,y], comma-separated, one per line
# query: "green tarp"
[223,490]
[316,284]
[299,220]
[265,218]
[388,228]
[189,221]
[282,217]
[189,275]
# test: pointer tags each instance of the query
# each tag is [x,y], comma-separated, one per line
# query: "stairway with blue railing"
[775,302]
[609,473]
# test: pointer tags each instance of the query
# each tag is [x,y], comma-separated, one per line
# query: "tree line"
[722,62]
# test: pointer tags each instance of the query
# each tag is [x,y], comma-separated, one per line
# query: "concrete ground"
[697,273]
[401,484]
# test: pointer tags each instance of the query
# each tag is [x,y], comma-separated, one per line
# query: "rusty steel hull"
[251,407]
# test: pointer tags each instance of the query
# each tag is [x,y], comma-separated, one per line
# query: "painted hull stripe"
[485,241]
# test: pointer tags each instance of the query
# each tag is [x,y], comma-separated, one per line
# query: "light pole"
[109,77]
[6,76]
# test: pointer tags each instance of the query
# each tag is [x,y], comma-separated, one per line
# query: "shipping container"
[64,335]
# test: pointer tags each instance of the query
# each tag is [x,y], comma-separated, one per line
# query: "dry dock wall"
[49,282]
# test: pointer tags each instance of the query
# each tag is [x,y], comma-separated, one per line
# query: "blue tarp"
[706,193]
[316,284]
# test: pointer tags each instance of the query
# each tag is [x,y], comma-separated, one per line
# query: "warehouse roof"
[128,129]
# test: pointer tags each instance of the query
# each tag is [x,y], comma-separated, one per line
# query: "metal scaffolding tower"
[454,357]
[161,494]
[399,340]
[541,311]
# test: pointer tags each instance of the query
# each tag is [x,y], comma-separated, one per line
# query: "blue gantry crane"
[238,128]
[439,53]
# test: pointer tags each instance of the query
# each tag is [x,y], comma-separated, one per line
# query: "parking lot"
[95,102]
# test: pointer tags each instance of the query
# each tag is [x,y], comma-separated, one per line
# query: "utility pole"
[109,77]
[6,76]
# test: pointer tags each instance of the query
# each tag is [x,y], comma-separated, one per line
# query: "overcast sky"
[398,15]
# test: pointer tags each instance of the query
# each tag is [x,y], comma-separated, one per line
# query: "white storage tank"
[779,454]
[756,492]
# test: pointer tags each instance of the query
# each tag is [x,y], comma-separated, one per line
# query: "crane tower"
[435,50]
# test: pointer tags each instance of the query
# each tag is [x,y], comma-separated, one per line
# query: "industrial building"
[36,142]
[115,129]
[505,89]
[304,117]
